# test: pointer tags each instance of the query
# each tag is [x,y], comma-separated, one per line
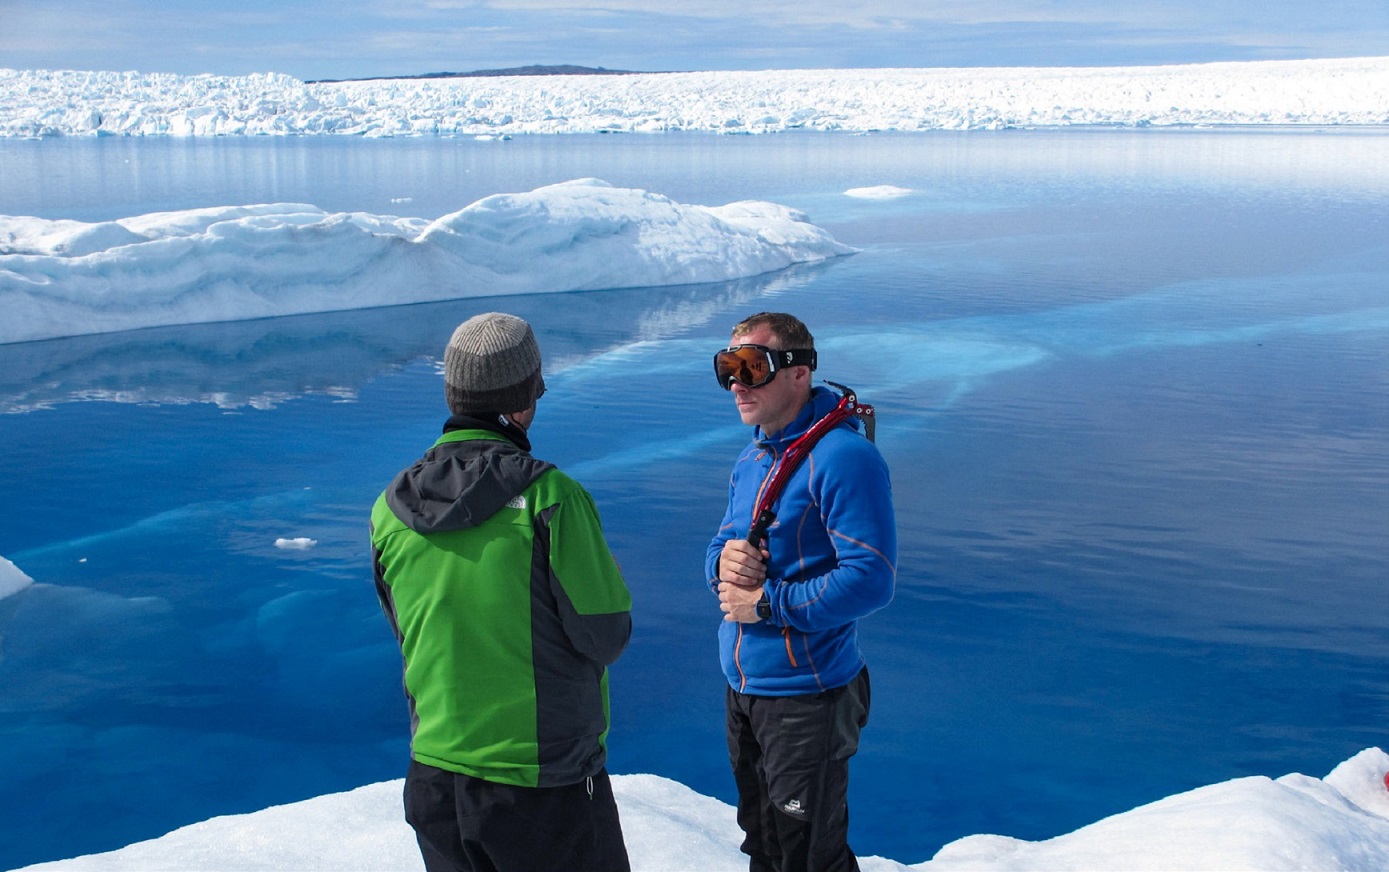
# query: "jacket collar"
[822,401]
[492,422]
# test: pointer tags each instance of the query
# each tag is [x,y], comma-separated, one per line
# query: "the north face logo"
[517,502]
[794,807]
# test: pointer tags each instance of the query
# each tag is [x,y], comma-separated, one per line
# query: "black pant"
[465,824]
[790,758]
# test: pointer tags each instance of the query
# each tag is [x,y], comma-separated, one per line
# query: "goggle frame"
[776,359]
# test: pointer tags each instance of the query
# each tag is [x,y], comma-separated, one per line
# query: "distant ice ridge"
[38,103]
[228,263]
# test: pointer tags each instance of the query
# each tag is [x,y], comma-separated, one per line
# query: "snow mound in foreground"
[1294,822]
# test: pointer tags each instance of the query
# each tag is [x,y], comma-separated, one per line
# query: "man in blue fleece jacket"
[798,693]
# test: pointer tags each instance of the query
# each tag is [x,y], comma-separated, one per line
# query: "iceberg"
[70,278]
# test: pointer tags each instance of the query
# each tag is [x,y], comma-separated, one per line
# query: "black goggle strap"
[795,357]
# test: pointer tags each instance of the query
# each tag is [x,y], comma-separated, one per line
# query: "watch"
[764,607]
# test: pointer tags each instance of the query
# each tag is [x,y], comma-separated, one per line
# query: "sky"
[329,39]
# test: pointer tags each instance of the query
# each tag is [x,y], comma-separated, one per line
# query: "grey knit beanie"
[492,364]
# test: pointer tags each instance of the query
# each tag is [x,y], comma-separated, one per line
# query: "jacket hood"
[462,481]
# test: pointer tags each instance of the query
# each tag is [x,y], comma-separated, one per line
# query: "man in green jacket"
[492,569]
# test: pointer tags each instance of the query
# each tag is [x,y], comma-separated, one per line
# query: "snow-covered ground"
[1298,822]
[67,278]
[1313,92]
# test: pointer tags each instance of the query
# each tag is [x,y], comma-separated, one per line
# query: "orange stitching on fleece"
[865,546]
[737,660]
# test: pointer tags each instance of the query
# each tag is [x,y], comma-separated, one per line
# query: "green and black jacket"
[508,606]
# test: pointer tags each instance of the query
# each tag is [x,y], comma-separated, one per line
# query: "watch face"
[764,608]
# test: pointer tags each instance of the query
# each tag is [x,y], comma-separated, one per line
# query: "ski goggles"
[754,365]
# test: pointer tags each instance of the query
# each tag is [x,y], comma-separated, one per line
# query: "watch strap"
[764,607]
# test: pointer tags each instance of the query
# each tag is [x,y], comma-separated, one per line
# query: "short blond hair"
[789,330]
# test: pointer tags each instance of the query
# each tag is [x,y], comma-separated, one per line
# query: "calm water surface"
[1133,387]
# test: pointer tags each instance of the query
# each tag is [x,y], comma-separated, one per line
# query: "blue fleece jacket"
[833,557]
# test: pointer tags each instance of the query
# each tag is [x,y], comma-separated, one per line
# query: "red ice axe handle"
[763,516]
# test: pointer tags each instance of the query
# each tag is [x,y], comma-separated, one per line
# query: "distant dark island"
[532,70]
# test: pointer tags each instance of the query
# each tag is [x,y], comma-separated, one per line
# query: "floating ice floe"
[301,543]
[12,578]
[66,278]
[878,192]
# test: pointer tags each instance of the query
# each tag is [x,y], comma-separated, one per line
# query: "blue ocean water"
[1133,387]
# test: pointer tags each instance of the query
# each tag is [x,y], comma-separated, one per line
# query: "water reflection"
[263,363]
[105,178]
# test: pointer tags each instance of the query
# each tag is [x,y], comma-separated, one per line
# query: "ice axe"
[848,407]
